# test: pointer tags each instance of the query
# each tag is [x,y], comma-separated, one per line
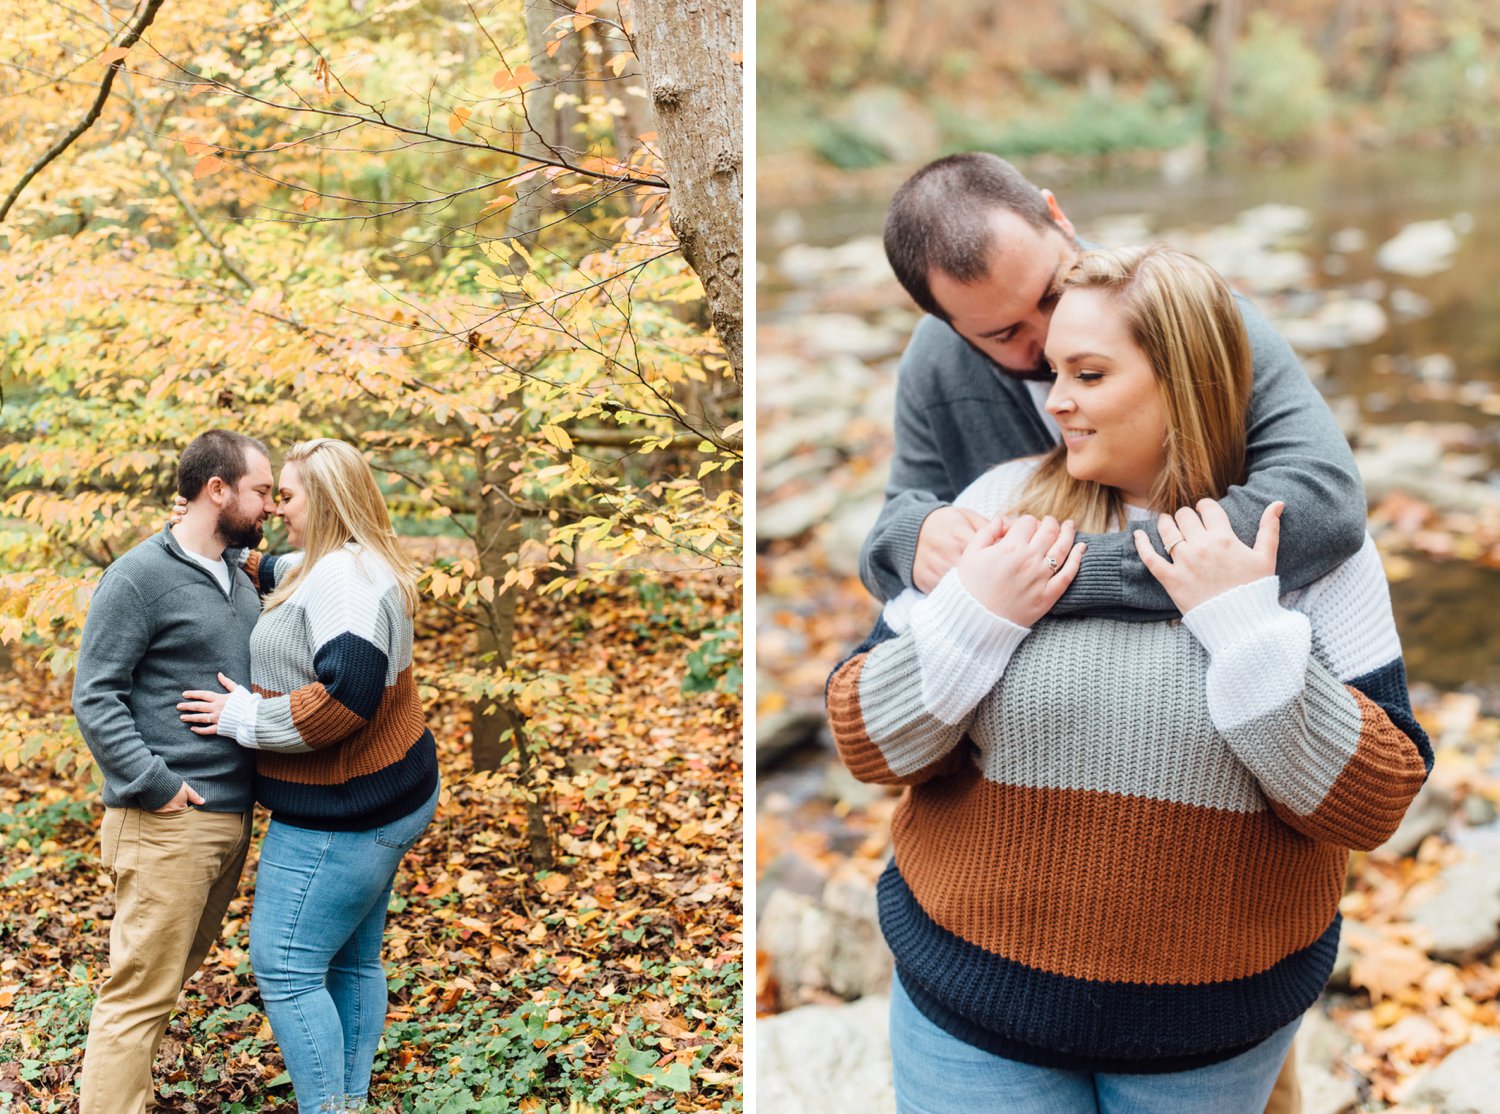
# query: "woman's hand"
[179,511]
[204,708]
[1018,568]
[1207,559]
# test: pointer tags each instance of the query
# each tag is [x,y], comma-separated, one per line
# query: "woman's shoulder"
[351,565]
[996,490]
[1349,609]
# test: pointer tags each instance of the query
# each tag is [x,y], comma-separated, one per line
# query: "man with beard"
[978,248]
[171,614]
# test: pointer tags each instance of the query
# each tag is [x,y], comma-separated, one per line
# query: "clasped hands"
[1019,567]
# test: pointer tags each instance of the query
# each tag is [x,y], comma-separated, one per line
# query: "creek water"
[1446,611]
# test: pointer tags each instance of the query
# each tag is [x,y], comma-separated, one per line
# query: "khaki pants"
[1286,1096]
[174,877]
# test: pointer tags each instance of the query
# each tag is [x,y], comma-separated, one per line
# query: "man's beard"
[235,531]
[1039,373]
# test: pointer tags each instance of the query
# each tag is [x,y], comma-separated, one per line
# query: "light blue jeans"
[937,1073]
[315,939]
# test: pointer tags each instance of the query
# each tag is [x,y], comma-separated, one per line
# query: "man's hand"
[944,534]
[186,796]
[1207,559]
[1018,569]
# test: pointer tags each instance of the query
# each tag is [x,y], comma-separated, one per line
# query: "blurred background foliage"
[862,82]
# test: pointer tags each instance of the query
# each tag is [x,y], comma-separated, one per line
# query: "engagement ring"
[1051,562]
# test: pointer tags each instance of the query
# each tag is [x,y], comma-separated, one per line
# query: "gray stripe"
[890,695]
[1299,751]
[274,730]
[1107,706]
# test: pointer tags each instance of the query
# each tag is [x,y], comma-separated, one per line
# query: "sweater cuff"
[900,541]
[962,648]
[163,786]
[237,720]
[1235,616]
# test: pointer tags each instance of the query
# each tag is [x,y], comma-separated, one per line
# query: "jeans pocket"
[403,833]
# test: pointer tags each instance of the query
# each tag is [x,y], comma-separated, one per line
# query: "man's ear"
[218,491]
[1059,218]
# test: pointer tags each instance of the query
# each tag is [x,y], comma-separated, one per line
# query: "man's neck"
[198,536]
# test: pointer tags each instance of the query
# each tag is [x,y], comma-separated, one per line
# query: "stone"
[817,465]
[1466,1082]
[796,515]
[1321,1047]
[1438,367]
[1347,240]
[779,733]
[777,440]
[1478,812]
[1427,815]
[826,1060]
[1462,916]
[833,334]
[846,531]
[1424,247]
[855,263]
[1408,305]
[793,873]
[1273,222]
[816,950]
[1340,323]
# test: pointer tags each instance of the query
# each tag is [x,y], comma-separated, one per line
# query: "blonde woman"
[1118,865]
[344,761]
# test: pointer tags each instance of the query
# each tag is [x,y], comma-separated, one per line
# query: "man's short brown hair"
[219,452]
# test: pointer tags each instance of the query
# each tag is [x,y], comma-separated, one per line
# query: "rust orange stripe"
[1121,889]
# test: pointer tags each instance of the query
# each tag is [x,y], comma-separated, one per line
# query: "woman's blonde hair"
[343,505]
[1183,316]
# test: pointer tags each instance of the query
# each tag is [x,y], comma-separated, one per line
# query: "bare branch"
[152,7]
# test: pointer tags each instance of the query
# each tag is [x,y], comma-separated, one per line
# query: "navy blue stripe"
[1386,686]
[353,671]
[1052,1020]
[266,573]
[360,803]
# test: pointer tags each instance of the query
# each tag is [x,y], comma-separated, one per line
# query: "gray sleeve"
[918,483]
[1295,453]
[116,635]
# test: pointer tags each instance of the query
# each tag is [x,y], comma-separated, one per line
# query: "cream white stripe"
[962,648]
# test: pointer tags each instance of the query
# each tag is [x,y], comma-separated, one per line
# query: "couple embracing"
[212,676]
[1137,667]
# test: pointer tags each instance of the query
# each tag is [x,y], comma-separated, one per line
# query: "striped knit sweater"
[1124,844]
[332,710]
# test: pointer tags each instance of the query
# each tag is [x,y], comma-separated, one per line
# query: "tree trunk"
[690,52]
[629,88]
[551,128]
[1225,29]
[498,542]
